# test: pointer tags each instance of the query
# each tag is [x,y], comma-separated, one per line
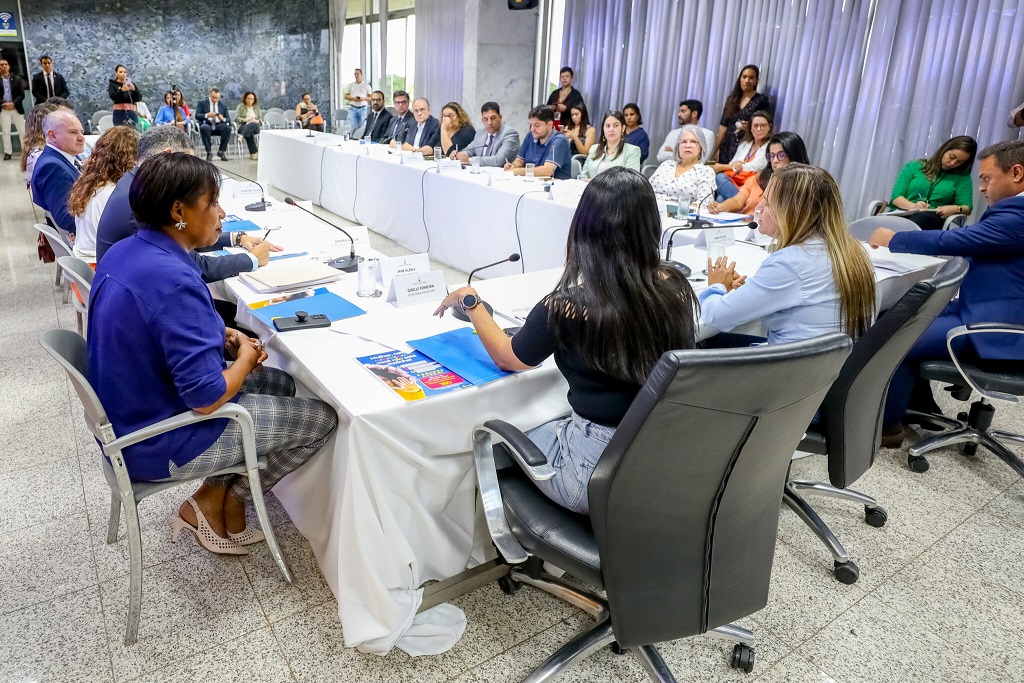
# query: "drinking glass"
[529,172]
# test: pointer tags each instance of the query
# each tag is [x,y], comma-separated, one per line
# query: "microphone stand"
[262,204]
[457,311]
[348,264]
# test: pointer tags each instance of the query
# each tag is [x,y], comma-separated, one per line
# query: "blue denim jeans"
[726,188]
[572,445]
[356,117]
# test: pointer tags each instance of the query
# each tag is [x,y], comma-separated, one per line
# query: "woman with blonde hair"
[818,278]
[457,131]
[112,157]
[34,142]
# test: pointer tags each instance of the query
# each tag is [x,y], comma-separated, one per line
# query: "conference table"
[390,503]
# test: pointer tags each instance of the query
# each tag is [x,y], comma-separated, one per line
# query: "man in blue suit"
[993,290]
[426,134]
[57,168]
[212,115]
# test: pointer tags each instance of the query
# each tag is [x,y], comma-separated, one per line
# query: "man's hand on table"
[880,238]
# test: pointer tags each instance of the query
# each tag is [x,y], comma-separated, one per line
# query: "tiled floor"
[940,596]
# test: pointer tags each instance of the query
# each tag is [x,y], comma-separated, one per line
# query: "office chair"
[684,501]
[994,381]
[878,207]
[850,425]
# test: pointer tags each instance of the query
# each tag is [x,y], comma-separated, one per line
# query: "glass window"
[554,61]
[401,55]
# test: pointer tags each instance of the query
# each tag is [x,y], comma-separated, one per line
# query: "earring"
[180,225]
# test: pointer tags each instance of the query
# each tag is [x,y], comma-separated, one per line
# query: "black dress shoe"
[7,157]
[223,156]
[209,157]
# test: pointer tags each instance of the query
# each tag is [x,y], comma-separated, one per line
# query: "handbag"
[44,250]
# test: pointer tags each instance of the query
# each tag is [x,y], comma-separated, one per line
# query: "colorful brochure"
[412,376]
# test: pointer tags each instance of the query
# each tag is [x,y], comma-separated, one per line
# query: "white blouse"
[89,221]
[759,160]
[698,181]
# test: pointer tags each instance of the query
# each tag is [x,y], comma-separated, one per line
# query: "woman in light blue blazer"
[611,149]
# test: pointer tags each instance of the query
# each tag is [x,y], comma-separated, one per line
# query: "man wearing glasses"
[379,118]
[402,119]
[425,134]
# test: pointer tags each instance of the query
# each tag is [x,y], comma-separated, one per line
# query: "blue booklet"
[462,352]
[310,300]
[233,223]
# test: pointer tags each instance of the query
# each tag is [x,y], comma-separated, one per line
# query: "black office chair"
[994,380]
[684,502]
[850,419]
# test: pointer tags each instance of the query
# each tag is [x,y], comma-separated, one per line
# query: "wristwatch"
[469,301]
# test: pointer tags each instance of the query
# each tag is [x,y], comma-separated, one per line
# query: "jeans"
[123,117]
[356,117]
[572,445]
[726,188]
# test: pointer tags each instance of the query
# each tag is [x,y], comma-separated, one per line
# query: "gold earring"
[180,225]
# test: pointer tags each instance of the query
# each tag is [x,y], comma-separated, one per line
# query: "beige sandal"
[205,534]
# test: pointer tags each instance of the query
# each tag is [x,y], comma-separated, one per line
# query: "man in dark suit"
[118,221]
[57,169]
[401,120]
[992,291]
[48,83]
[426,134]
[378,119]
[12,108]
[212,115]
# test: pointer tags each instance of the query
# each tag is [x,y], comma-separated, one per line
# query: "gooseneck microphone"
[697,223]
[262,204]
[457,310]
[348,264]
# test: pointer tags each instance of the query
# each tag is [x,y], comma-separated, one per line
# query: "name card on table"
[245,190]
[449,165]
[402,265]
[411,156]
[720,237]
[417,288]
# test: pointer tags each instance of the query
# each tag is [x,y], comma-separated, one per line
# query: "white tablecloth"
[391,502]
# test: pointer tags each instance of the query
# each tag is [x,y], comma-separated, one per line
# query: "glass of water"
[683,205]
[437,154]
[529,172]
[474,165]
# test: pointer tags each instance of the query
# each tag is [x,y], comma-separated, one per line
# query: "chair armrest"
[875,207]
[230,411]
[975,329]
[526,453]
[954,221]
[490,494]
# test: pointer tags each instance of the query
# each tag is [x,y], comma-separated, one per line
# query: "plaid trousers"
[289,431]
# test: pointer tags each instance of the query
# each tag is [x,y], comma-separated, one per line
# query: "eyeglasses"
[778,156]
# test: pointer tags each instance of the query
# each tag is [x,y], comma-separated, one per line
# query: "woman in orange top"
[783,149]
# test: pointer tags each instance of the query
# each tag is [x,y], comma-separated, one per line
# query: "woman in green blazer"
[611,150]
[247,118]
[935,189]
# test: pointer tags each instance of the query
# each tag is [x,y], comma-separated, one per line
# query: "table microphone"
[697,223]
[262,204]
[348,264]
[457,310]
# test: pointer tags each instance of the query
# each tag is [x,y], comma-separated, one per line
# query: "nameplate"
[402,265]
[418,288]
[412,156]
[720,237]
[248,189]
[449,165]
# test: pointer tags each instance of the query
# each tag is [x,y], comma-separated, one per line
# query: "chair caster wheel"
[742,658]
[918,463]
[970,450]
[876,517]
[962,416]
[508,585]
[847,572]
[617,649]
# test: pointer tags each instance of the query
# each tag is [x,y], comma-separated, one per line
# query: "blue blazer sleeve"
[54,184]
[216,268]
[990,236]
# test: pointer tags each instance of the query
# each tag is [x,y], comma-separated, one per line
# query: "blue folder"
[233,223]
[328,303]
[462,352]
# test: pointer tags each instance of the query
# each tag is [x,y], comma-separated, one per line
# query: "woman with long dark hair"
[581,134]
[939,187]
[173,111]
[783,149]
[635,133]
[740,106]
[612,149]
[611,316]
[124,95]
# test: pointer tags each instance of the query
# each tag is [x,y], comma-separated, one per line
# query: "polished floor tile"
[256,656]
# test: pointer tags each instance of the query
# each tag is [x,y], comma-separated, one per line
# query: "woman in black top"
[614,312]
[563,99]
[124,95]
[741,104]
[457,133]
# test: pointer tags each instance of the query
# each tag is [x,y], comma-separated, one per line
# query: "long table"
[391,504]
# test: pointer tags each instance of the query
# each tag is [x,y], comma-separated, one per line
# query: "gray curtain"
[868,84]
[440,25]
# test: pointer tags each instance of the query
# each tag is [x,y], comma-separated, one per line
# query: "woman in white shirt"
[685,172]
[818,278]
[751,156]
[612,150]
[112,157]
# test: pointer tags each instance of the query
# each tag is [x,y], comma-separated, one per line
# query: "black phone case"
[312,321]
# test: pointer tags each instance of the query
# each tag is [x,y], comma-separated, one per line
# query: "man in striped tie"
[496,144]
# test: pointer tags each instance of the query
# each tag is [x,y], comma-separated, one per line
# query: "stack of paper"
[292,273]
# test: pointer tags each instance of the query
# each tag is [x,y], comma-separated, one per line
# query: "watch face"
[468,301]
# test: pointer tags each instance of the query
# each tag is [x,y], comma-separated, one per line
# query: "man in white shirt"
[688,115]
[357,94]
[12,95]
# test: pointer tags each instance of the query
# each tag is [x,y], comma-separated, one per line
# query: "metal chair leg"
[591,603]
[817,488]
[580,647]
[115,518]
[805,512]
[962,434]
[736,634]
[268,531]
[652,662]
[131,515]
[1003,453]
